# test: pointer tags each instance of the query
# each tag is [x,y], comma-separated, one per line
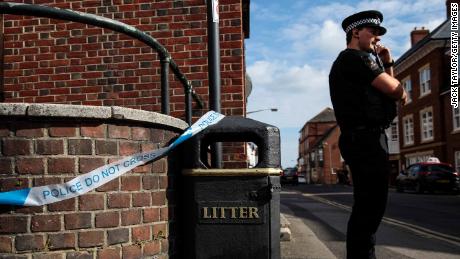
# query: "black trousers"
[366,153]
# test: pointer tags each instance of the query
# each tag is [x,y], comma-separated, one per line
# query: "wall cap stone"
[87,111]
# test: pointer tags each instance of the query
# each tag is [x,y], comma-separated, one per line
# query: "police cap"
[369,18]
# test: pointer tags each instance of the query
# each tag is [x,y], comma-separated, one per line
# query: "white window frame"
[407,84]
[425,80]
[455,119]
[426,125]
[408,130]
[457,161]
[394,134]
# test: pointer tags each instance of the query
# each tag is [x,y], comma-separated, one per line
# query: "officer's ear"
[355,33]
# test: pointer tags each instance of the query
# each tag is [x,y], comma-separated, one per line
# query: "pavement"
[298,241]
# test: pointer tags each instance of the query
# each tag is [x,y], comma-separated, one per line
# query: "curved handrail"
[100,21]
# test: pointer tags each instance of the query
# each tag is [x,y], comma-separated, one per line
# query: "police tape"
[41,195]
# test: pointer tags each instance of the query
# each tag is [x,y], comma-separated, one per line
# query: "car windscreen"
[437,168]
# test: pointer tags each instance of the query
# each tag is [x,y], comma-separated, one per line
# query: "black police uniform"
[362,113]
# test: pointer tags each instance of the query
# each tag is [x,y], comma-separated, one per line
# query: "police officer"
[364,94]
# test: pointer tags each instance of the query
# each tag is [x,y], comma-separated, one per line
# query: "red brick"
[150,182]
[93,130]
[80,147]
[159,231]
[62,131]
[13,147]
[4,132]
[91,202]
[13,224]
[151,215]
[164,245]
[113,185]
[141,233]
[30,166]
[6,244]
[89,164]
[130,183]
[158,198]
[130,217]
[61,165]
[90,238]
[132,252]
[109,253]
[152,248]
[117,236]
[30,132]
[46,181]
[140,133]
[80,255]
[141,199]
[77,221]
[45,223]
[33,243]
[164,181]
[49,147]
[65,205]
[128,148]
[157,135]
[107,219]
[6,166]
[104,147]
[160,166]
[9,184]
[55,255]
[164,214]
[61,241]
[120,132]
[119,200]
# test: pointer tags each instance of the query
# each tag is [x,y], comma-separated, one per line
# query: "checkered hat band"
[353,25]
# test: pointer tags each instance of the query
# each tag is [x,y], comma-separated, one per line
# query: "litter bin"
[232,213]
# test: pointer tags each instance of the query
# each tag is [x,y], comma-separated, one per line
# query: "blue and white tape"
[41,195]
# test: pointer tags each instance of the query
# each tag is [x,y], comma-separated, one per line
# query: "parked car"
[290,175]
[428,176]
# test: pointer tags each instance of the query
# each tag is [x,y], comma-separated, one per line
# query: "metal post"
[165,85]
[214,72]
[188,105]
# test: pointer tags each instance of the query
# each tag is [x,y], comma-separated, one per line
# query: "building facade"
[428,124]
[319,155]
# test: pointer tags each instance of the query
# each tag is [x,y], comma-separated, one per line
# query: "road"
[415,225]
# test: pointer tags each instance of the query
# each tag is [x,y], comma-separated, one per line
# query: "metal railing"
[103,22]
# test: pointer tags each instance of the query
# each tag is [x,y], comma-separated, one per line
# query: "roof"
[326,115]
[442,32]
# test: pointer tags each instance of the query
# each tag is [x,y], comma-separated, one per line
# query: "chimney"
[418,34]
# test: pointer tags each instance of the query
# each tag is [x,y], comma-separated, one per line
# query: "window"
[456,118]
[457,161]
[408,129]
[425,82]
[394,131]
[407,84]
[426,124]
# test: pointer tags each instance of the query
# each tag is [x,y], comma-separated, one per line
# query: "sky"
[291,48]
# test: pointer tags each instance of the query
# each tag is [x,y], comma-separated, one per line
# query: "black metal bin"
[232,213]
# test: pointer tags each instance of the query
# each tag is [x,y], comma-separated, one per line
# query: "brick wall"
[130,217]
[53,61]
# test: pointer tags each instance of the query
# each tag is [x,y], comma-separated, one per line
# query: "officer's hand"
[404,98]
[384,53]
